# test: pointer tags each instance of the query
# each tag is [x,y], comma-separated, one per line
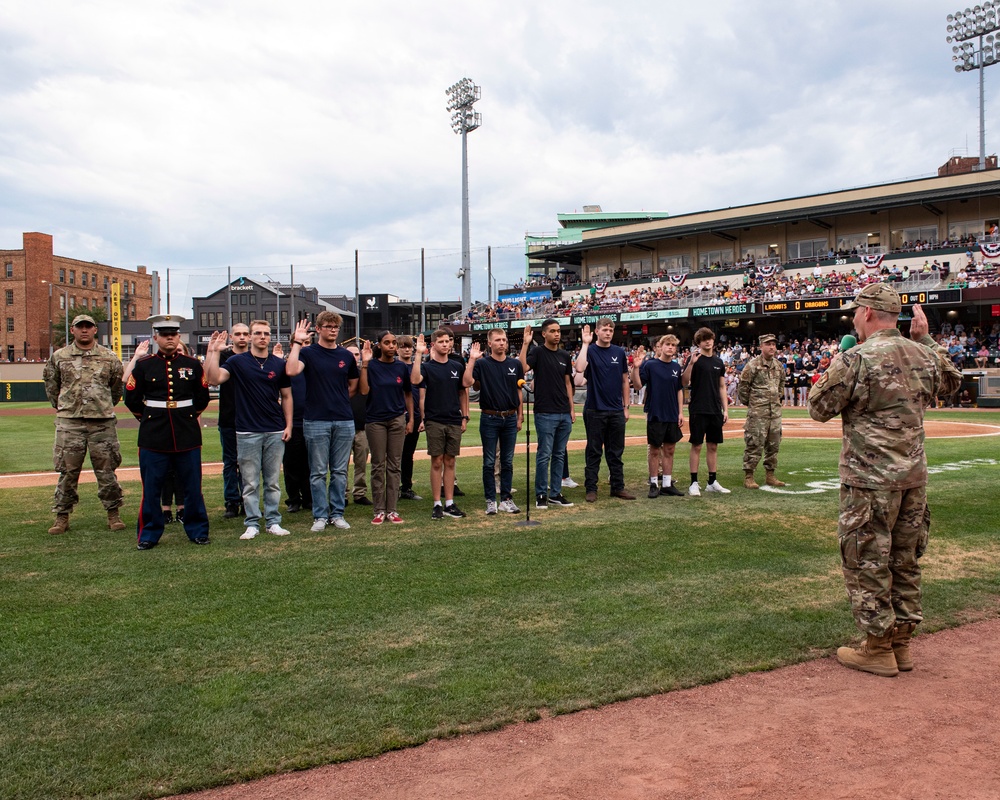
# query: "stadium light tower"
[464,120]
[978,22]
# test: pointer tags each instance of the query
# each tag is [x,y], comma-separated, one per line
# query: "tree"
[59,324]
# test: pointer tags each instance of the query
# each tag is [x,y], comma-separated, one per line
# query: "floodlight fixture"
[964,27]
[464,119]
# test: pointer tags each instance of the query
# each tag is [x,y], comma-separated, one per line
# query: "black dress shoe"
[167,518]
[200,540]
[179,516]
[457,492]
[294,508]
[362,501]
[231,512]
[145,545]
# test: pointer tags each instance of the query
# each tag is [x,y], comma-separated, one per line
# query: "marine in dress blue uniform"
[167,393]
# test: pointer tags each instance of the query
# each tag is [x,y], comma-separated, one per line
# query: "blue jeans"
[260,463]
[553,434]
[491,431]
[232,486]
[329,444]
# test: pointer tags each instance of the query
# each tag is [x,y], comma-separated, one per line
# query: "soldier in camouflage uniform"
[83,381]
[761,387]
[880,388]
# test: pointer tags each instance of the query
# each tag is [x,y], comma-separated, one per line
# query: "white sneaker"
[491,508]
[717,488]
[250,532]
[277,530]
[569,483]
[508,507]
[694,490]
[318,526]
[340,522]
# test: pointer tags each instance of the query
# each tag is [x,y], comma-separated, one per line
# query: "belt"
[169,403]
[490,413]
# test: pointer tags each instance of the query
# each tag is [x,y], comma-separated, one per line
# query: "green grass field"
[130,674]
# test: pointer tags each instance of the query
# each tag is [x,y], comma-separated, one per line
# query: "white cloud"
[200,135]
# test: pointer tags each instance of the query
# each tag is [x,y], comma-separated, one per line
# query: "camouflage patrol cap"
[879,296]
[83,318]
[764,338]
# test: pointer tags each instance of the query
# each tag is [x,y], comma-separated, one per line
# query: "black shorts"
[706,427]
[661,433]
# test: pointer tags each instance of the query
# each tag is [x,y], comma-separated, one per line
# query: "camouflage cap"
[764,338]
[79,318]
[879,296]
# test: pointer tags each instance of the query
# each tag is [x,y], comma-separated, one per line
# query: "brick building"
[38,286]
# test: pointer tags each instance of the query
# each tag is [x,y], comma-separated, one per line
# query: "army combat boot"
[770,480]
[61,525]
[748,481]
[114,521]
[901,646]
[874,656]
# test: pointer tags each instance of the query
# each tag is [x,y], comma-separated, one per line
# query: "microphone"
[521,383]
[847,343]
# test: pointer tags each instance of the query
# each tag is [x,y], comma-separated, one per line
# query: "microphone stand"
[527,522]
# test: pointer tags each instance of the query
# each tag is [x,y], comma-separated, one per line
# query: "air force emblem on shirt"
[614,359]
[454,373]
[511,371]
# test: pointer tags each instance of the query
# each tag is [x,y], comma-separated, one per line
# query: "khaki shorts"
[443,440]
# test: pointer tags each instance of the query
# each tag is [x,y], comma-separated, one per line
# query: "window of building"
[72,277]
[849,242]
[133,287]
[907,238]
[85,302]
[10,324]
[105,283]
[639,266]
[715,258]
[203,320]
[243,300]
[62,276]
[957,231]
[599,272]
[756,252]
[62,302]
[284,319]
[808,248]
[10,269]
[269,317]
[675,265]
[9,294]
[253,299]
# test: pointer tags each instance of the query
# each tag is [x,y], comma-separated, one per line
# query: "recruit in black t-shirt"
[705,375]
[498,389]
[443,389]
[551,368]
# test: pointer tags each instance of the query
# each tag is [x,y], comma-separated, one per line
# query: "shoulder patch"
[130,383]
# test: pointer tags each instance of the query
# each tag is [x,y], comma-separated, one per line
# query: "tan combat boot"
[114,521]
[61,525]
[770,480]
[748,481]
[901,646]
[874,656]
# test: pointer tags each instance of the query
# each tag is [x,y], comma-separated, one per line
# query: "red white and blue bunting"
[872,262]
[600,287]
[678,280]
[767,270]
[990,249]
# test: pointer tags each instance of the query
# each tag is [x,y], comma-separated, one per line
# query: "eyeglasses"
[329,327]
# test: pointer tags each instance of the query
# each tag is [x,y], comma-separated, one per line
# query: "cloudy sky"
[256,134]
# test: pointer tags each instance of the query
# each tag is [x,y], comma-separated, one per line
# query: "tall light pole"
[464,120]
[964,26]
